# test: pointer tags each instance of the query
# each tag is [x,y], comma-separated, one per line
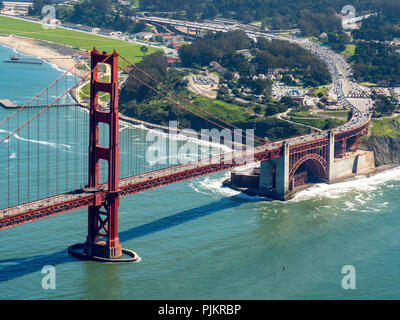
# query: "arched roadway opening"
[312,168]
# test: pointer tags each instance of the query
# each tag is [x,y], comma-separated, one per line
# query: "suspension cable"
[184,99]
[44,90]
[54,102]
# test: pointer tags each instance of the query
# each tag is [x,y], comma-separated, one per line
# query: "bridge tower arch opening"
[310,169]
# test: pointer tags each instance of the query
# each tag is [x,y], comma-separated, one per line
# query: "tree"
[100,14]
[210,13]
[214,47]
[144,50]
[385,105]
[1,5]
[271,110]
[376,62]
[36,9]
[156,66]
[288,102]
[258,109]
[338,40]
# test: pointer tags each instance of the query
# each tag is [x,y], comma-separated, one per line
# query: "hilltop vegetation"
[223,47]
[376,63]
[105,14]
[377,28]
[280,54]
[220,47]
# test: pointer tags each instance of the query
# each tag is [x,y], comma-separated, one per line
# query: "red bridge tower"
[102,241]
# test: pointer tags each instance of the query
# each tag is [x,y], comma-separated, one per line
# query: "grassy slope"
[322,90]
[332,114]
[386,127]
[71,38]
[227,111]
[342,114]
[349,51]
[320,123]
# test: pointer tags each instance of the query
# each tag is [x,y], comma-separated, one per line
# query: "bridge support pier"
[267,176]
[331,155]
[102,242]
[282,172]
[274,175]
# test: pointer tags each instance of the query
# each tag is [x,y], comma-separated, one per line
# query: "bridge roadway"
[361,114]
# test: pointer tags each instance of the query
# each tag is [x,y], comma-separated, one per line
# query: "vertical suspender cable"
[8,160]
[48,148]
[38,161]
[18,163]
[57,143]
[67,137]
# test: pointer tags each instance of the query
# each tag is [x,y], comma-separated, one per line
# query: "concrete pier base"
[271,179]
[102,253]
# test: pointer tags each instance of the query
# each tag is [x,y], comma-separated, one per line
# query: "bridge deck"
[86,197]
[138,183]
[83,198]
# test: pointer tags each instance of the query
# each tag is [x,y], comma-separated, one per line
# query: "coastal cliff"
[384,141]
[386,149]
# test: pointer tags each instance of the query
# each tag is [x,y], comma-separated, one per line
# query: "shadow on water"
[179,218]
[14,268]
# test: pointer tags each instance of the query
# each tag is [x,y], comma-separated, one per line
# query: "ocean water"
[198,240]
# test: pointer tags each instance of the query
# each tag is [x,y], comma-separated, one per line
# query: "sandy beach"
[57,54]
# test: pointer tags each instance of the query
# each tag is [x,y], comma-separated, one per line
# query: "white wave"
[51,144]
[211,186]
[248,166]
[123,128]
[214,185]
[58,68]
[359,183]
[194,186]
[248,197]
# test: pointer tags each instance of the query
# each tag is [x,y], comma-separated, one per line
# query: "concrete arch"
[317,164]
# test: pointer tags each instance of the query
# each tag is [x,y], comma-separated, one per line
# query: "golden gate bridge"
[54,195]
